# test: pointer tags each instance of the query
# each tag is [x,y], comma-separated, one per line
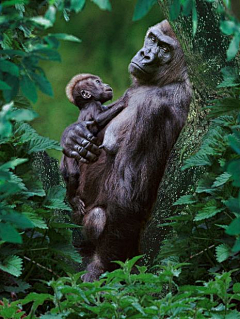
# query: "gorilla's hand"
[79,143]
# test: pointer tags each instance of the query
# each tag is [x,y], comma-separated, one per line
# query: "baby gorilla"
[87,92]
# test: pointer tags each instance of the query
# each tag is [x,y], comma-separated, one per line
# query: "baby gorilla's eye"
[98,81]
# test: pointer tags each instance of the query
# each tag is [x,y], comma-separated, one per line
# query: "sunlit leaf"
[103,4]
[77,5]
[42,22]
[194,18]
[228,27]
[222,179]
[223,251]
[185,200]
[12,265]
[233,47]
[66,37]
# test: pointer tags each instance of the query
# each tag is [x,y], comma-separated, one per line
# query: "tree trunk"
[205,56]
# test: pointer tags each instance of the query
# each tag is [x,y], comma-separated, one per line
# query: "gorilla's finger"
[91,157]
[93,149]
[84,145]
[71,153]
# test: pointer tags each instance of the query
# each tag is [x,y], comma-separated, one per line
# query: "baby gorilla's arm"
[102,119]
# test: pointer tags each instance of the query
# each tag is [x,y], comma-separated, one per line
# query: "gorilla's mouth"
[137,66]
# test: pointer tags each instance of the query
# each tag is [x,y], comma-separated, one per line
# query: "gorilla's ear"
[86,94]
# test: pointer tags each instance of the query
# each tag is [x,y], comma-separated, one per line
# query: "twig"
[40,266]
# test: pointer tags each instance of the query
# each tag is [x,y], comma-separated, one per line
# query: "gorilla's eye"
[165,49]
[98,81]
[153,38]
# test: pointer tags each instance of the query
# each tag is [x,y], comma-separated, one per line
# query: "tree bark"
[205,56]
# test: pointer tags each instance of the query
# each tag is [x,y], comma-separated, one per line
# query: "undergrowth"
[197,274]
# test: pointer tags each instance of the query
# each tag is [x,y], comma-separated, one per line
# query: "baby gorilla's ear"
[86,94]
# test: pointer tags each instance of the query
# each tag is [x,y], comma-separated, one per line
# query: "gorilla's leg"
[94,223]
[117,242]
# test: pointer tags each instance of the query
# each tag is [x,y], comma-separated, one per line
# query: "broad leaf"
[185,200]
[9,67]
[223,251]
[233,47]
[142,8]
[222,179]
[103,4]
[28,88]
[64,36]
[12,265]
[234,227]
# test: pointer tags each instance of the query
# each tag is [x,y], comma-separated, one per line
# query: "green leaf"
[228,27]
[234,141]
[4,86]
[234,169]
[47,54]
[233,47]
[19,220]
[209,210]
[12,265]
[77,5]
[223,251]
[43,84]
[13,163]
[34,142]
[9,67]
[41,21]
[28,88]
[233,204]
[9,233]
[175,9]
[50,15]
[194,18]
[55,198]
[185,200]
[12,2]
[236,247]
[199,159]
[222,179]
[187,7]
[142,8]
[13,82]
[66,251]
[234,314]
[230,77]
[23,115]
[236,287]
[103,4]
[36,220]
[224,106]
[64,36]
[234,227]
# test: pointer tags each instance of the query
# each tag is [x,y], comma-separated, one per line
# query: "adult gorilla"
[119,184]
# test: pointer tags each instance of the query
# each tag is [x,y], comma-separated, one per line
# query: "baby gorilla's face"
[101,91]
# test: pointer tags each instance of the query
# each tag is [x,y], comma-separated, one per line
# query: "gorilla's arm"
[79,143]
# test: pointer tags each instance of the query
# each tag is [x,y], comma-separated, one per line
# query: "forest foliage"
[197,275]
